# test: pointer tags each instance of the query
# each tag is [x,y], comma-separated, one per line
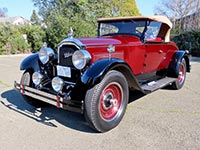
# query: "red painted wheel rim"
[110,101]
[181,76]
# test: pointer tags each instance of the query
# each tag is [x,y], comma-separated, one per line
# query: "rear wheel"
[178,84]
[106,102]
[27,81]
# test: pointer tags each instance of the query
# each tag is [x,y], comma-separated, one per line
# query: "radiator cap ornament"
[110,49]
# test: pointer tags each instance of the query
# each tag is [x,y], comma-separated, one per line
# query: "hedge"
[189,40]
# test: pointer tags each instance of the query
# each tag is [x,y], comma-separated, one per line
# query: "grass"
[5,84]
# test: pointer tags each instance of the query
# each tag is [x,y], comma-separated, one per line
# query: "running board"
[155,85]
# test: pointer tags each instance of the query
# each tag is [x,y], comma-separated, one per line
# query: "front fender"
[30,62]
[173,69]
[96,72]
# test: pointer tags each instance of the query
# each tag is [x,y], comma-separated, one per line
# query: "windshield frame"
[117,23]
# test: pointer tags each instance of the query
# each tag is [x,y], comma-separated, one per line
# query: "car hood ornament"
[110,49]
[70,34]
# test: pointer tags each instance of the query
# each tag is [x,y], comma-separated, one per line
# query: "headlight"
[57,84]
[45,54]
[81,58]
[36,78]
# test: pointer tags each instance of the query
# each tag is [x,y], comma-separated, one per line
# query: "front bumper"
[56,100]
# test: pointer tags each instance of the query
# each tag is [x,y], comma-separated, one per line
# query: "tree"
[85,9]
[124,8]
[3,12]
[177,9]
[81,15]
[34,18]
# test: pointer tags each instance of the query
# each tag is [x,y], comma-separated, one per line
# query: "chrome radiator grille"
[65,53]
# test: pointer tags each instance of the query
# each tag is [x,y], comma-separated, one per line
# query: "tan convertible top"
[158,18]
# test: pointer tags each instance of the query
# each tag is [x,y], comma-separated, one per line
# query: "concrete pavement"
[166,119]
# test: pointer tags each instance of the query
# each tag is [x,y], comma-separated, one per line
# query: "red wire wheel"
[181,76]
[110,101]
[106,102]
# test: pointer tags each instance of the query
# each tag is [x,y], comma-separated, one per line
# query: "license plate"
[64,71]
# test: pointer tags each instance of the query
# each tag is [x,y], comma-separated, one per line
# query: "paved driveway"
[163,120]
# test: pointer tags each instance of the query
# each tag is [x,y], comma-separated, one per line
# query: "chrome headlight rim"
[45,54]
[81,58]
[57,84]
[37,78]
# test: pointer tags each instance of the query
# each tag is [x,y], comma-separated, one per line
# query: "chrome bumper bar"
[52,99]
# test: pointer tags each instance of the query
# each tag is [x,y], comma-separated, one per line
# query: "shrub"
[3,52]
[12,40]
[189,40]
[35,36]
[18,44]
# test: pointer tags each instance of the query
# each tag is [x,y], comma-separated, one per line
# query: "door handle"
[160,51]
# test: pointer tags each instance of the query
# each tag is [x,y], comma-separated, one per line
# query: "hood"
[108,40]
[102,41]
[99,42]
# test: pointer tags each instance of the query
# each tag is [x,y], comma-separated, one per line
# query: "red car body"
[151,56]
[93,76]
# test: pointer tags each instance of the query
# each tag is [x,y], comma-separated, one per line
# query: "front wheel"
[106,102]
[178,84]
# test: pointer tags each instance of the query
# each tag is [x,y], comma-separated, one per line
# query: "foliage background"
[189,40]
[55,19]
[57,16]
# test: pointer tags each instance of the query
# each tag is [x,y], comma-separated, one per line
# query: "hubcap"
[181,76]
[110,101]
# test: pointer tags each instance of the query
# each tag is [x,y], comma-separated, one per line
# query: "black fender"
[96,72]
[173,69]
[30,62]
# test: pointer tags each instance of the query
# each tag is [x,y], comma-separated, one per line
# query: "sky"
[25,8]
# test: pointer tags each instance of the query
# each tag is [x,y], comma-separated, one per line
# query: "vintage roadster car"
[93,76]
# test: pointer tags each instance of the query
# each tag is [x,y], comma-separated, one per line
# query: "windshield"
[129,27]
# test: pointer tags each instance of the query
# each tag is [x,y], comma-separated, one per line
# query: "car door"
[154,52]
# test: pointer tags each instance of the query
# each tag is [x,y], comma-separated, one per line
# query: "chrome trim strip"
[40,98]
[72,40]
[40,93]
[68,43]
[69,83]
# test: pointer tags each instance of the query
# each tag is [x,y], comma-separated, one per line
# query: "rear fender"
[173,69]
[30,62]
